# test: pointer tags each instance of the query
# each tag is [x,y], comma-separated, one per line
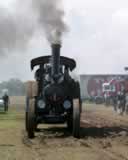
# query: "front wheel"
[31,119]
[70,122]
[76,118]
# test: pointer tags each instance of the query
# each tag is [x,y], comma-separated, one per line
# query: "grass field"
[15,114]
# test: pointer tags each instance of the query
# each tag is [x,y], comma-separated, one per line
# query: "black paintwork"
[55,85]
[70,63]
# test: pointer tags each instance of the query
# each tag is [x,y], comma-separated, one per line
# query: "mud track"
[104,135]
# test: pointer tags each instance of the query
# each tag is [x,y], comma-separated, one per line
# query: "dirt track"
[104,135]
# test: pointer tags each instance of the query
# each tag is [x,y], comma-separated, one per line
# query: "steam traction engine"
[54,97]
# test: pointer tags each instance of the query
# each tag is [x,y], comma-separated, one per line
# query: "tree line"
[15,87]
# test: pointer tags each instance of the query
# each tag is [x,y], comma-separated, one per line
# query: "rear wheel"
[70,122]
[26,113]
[31,93]
[127,109]
[30,119]
[76,118]
[32,89]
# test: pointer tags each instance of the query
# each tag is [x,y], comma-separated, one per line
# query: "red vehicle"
[113,87]
[93,86]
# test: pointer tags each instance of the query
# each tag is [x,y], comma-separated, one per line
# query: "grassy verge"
[11,119]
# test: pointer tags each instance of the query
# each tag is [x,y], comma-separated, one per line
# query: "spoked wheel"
[76,118]
[30,119]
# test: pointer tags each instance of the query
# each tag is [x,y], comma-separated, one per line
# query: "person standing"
[6,101]
[121,102]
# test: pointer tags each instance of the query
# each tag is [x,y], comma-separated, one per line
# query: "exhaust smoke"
[50,16]
[27,17]
[15,31]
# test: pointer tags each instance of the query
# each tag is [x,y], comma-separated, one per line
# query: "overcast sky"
[97,39]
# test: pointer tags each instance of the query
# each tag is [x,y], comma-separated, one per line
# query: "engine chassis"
[55,100]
